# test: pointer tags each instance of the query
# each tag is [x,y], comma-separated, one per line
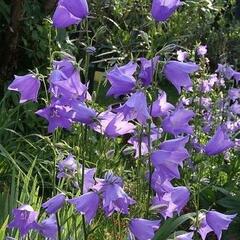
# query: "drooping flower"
[234,93]
[185,236]
[121,79]
[48,227]
[178,73]
[177,122]
[24,219]
[219,143]
[173,200]
[135,108]
[57,114]
[114,197]
[28,86]
[162,9]
[88,179]
[69,12]
[204,228]
[87,204]
[143,229]
[54,204]
[148,68]
[118,126]
[219,222]
[65,65]
[67,167]
[202,50]
[182,55]
[161,108]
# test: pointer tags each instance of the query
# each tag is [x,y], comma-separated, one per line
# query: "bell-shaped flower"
[118,127]
[234,94]
[143,229]
[89,180]
[54,204]
[235,108]
[172,201]
[135,108]
[177,122]
[219,143]
[219,222]
[28,86]
[148,68]
[162,9]
[24,219]
[121,79]
[82,113]
[48,227]
[67,167]
[65,65]
[87,204]
[114,197]
[161,108]
[202,50]
[178,74]
[185,236]
[57,114]
[69,12]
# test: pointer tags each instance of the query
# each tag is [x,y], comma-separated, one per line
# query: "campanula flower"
[162,9]
[121,79]
[148,68]
[57,114]
[174,200]
[67,167]
[143,229]
[235,108]
[161,108]
[185,236]
[202,50]
[54,204]
[135,108]
[48,227]
[65,65]
[118,126]
[88,179]
[178,73]
[219,143]
[219,222]
[87,204]
[24,219]
[28,86]
[114,197]
[69,12]
[234,93]
[178,122]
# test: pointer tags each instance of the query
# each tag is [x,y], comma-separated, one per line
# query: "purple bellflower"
[48,227]
[24,219]
[143,229]
[67,167]
[219,222]
[118,126]
[65,65]
[121,79]
[57,115]
[148,68]
[178,74]
[219,143]
[234,93]
[161,108]
[162,9]
[235,108]
[87,204]
[89,180]
[135,108]
[69,12]
[114,197]
[28,86]
[54,204]
[177,122]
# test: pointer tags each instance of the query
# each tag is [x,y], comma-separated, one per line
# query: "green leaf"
[171,225]
[3,229]
[230,202]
